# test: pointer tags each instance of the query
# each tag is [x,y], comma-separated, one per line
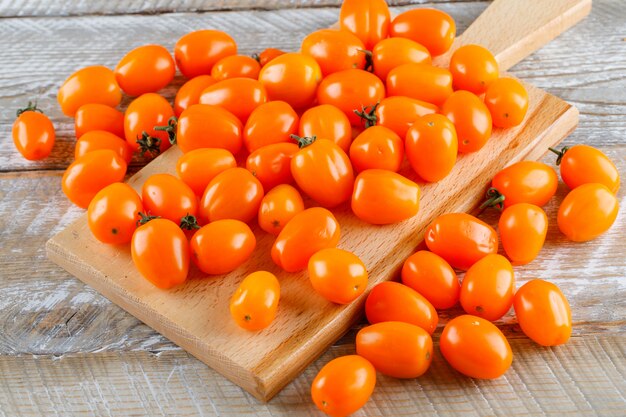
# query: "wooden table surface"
[66,350]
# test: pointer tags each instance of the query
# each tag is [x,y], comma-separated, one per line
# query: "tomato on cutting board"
[198,167]
[432,28]
[113,213]
[253,305]
[140,119]
[334,50]
[279,206]
[206,126]
[337,275]
[270,123]
[167,196]
[328,122]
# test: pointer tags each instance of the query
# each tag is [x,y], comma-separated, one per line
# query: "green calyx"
[170,128]
[29,107]
[303,141]
[149,144]
[189,222]
[145,218]
[560,154]
[369,60]
[368,115]
[494,199]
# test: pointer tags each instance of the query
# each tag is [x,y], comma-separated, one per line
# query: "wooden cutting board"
[195,315]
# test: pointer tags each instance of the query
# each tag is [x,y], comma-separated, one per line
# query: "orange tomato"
[95,84]
[190,92]
[523,228]
[305,234]
[526,182]
[253,305]
[582,164]
[328,122]
[393,52]
[396,349]
[113,214]
[367,19]
[471,119]
[334,50]
[431,276]
[507,101]
[293,78]
[432,28]
[267,55]
[98,117]
[100,139]
[166,196]
[160,252]
[197,52]
[343,385]
[205,126]
[33,133]
[391,301]
[473,68]
[461,239]
[587,211]
[198,167]
[431,147]
[337,275]
[399,113]
[271,164]
[420,81]
[141,117]
[145,69]
[384,197]
[236,66]
[475,347]
[270,123]
[279,206]
[90,173]
[377,148]
[240,96]
[543,312]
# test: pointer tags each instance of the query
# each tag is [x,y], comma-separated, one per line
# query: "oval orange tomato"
[377,147]
[526,182]
[328,122]
[420,81]
[166,196]
[113,213]
[367,19]
[100,139]
[98,117]
[197,52]
[270,123]
[253,305]
[399,113]
[471,119]
[523,228]
[392,52]
[33,134]
[95,84]
[190,92]
[507,101]
[142,116]
[240,96]
[582,164]
[431,276]
[279,206]
[432,28]
[337,275]
[198,167]
[236,66]
[473,68]
[205,126]
[271,164]
[334,50]
[293,78]
[145,69]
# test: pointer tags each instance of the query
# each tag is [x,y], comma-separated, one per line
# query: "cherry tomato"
[323,171]
[293,78]
[429,27]
[232,194]
[384,197]
[420,81]
[253,305]
[526,182]
[399,113]
[328,122]
[377,147]
[393,52]
[488,287]
[305,234]
[270,123]
[507,101]
[113,213]
[334,50]
[95,84]
[166,196]
[523,228]
[198,167]
[271,164]
[267,55]
[197,52]
[279,206]
[367,19]
[431,276]
[145,69]
[90,173]
[473,68]
[160,252]
[206,126]
[99,139]
[461,239]
[431,147]
[391,301]
[98,117]
[33,133]
[236,66]
[582,164]
[543,312]
[142,116]
[395,348]
[471,119]
[475,347]
[222,246]
[190,92]
[337,275]
[240,96]
[587,211]
[343,385]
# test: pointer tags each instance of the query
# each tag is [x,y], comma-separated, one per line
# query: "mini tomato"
[90,173]
[334,50]
[113,214]
[236,66]
[395,348]
[240,96]
[306,233]
[543,312]
[323,171]
[392,301]
[431,147]
[377,147]
[198,167]
[328,122]
[337,275]
[253,305]
[145,69]
[279,206]
[100,139]
[351,90]
[471,119]
[524,182]
[271,164]
[432,28]
[523,228]
[461,239]
[270,123]
[232,194]
[475,347]
[582,164]
[384,197]
[392,52]
[587,211]
[343,385]
[507,101]
[166,196]
[33,133]
[98,117]
[293,78]
[432,277]
[95,84]
[206,126]
[222,246]
[488,287]
[367,19]
[160,252]
[399,113]
[267,55]
[473,68]
[197,52]
[190,92]
[142,116]
[420,81]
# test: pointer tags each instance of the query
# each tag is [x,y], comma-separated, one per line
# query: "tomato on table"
[254,303]
[236,66]
[473,69]
[398,113]
[507,101]
[291,77]
[142,116]
[196,52]
[392,52]
[271,164]
[240,96]
[272,122]
[206,126]
[100,139]
[524,182]
[337,275]
[432,28]
[334,50]
[95,84]
[432,277]
[145,69]
[279,206]
[198,167]
[98,117]
[583,164]
[189,93]
[377,147]
[33,133]
[328,122]
[523,228]
[471,119]
[420,81]
[113,214]
[367,19]
[166,196]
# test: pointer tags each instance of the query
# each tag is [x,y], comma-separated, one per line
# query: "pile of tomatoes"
[256,132]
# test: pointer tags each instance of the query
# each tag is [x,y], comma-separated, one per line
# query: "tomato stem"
[30,107]
[256,57]
[189,222]
[560,154]
[368,115]
[369,60]
[494,199]
[303,141]
[170,128]
[145,218]
[149,144]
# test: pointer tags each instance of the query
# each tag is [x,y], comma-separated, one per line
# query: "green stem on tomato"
[189,222]
[145,218]
[368,115]
[170,128]
[303,141]
[560,154]
[29,107]
[494,199]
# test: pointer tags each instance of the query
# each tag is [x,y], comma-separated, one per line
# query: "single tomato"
[582,164]
[337,275]
[205,126]
[367,19]
[523,228]
[399,113]
[525,182]
[198,167]
[197,52]
[392,52]
[420,81]
[272,122]
[95,84]
[240,96]
[145,69]
[142,116]
[166,196]
[189,93]
[432,28]
[271,164]
[334,50]
[100,139]
[293,78]
[253,305]
[507,101]
[471,119]
[328,122]
[113,214]
[98,117]
[377,147]
[236,66]
[33,133]
[473,69]
[431,276]
[279,206]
